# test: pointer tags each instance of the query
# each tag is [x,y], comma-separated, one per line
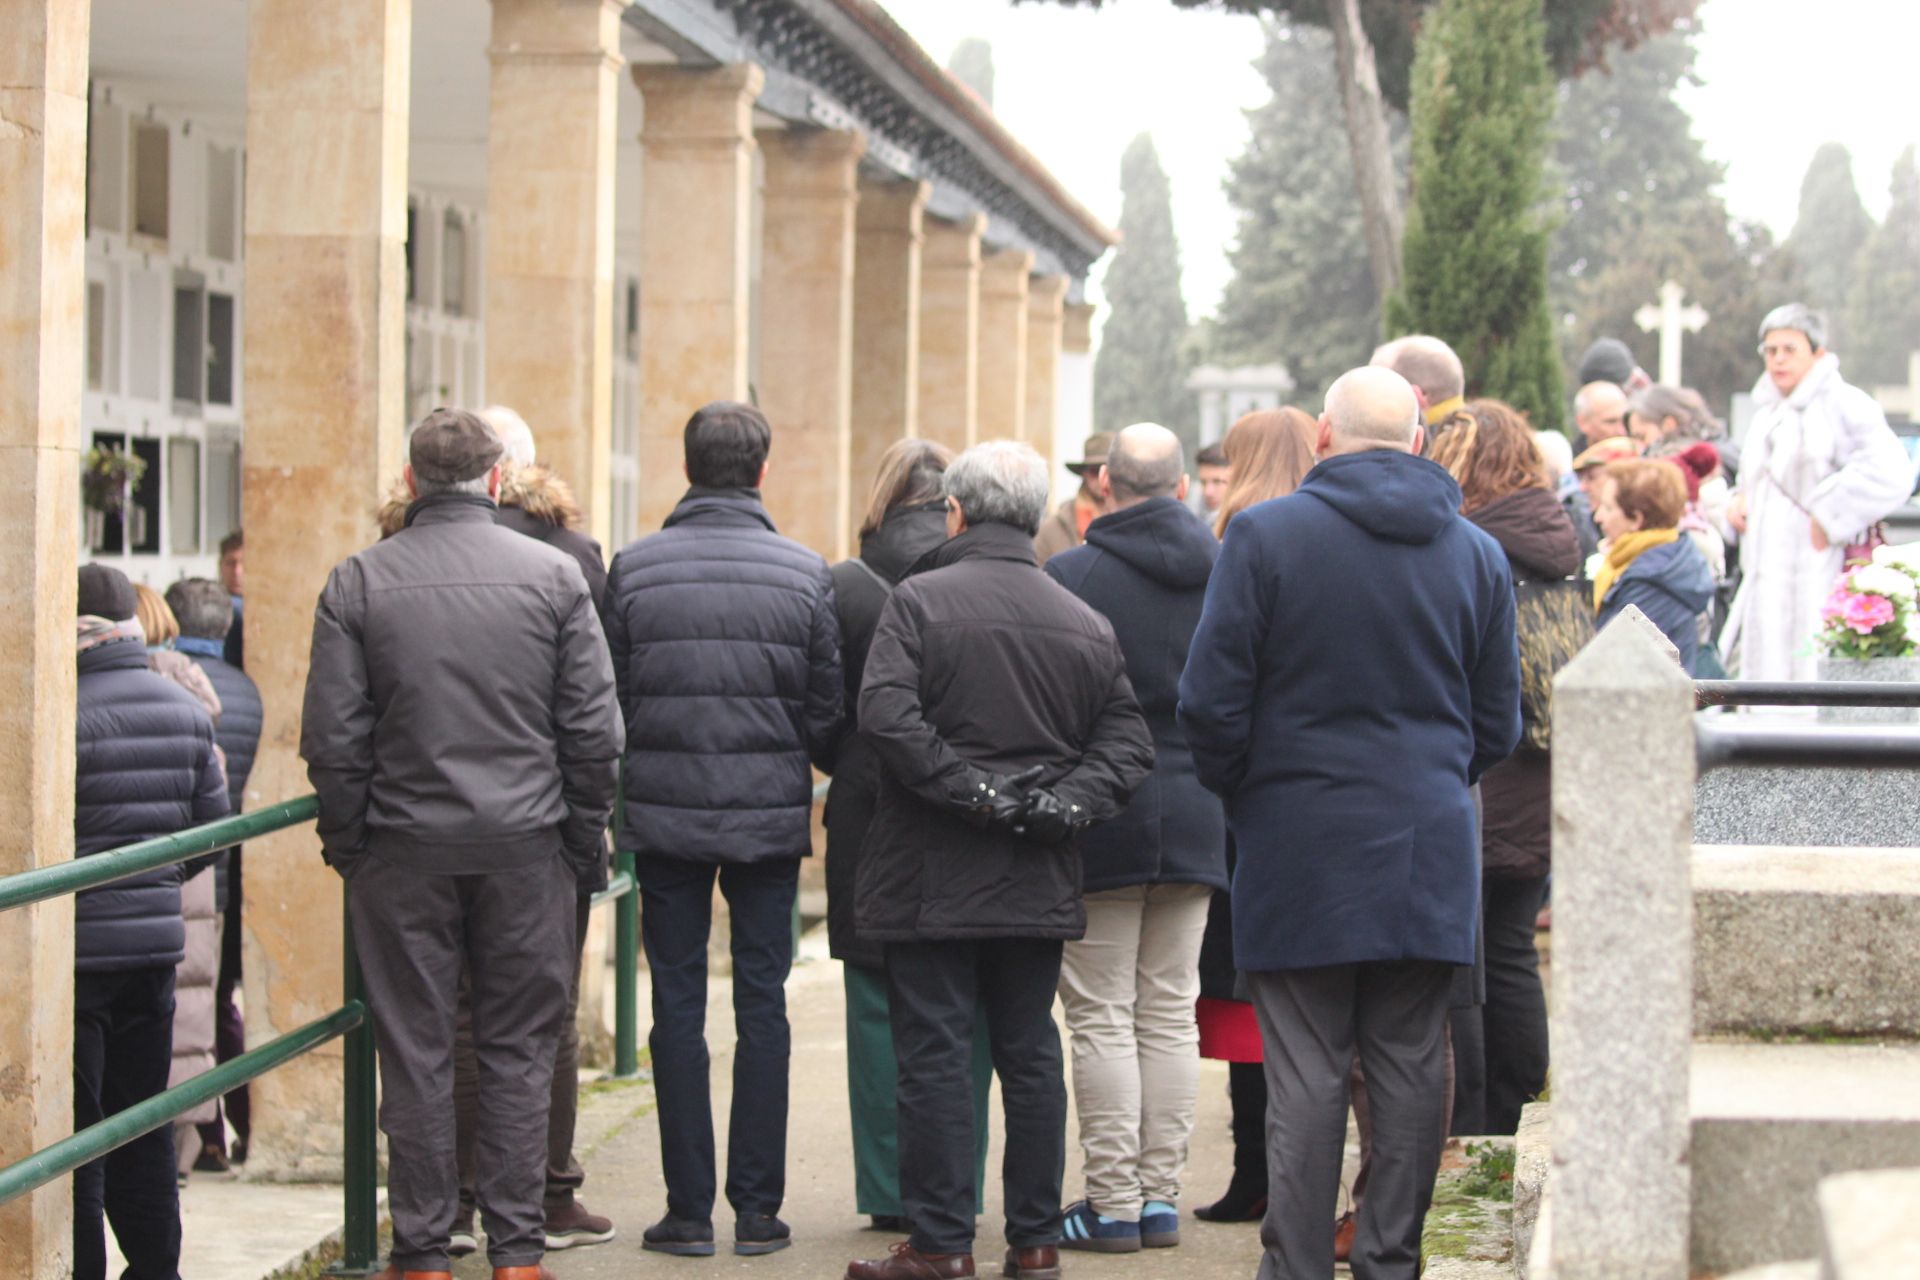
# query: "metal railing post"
[360,1255]
[626,977]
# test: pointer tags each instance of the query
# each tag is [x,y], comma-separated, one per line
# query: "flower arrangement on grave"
[1874,609]
[107,475]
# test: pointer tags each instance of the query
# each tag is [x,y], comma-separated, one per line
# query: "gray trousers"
[515,932]
[1312,1023]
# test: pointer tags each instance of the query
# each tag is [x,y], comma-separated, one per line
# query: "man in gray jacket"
[462,732]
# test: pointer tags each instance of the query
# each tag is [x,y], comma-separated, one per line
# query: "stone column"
[1046,296]
[806,330]
[888,232]
[326,220]
[1623,779]
[1002,375]
[43,148]
[950,331]
[550,171]
[1073,406]
[696,212]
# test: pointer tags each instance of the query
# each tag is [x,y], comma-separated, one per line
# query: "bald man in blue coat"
[1353,675]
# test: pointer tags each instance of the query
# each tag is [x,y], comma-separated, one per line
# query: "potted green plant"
[107,476]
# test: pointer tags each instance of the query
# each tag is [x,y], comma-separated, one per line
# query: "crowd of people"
[1256,769]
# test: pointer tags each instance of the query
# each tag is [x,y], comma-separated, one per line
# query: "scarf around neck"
[1623,551]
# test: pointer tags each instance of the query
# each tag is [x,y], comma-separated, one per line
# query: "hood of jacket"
[702,505]
[1676,568]
[1388,493]
[1532,527]
[903,537]
[991,541]
[536,490]
[1161,539]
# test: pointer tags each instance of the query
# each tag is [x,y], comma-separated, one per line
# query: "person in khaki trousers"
[1130,985]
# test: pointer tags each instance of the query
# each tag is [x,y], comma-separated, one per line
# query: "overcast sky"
[1076,85]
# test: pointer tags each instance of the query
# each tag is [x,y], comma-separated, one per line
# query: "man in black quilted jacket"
[144,767]
[726,650]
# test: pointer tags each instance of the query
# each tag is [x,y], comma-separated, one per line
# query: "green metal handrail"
[360,1238]
[142,1118]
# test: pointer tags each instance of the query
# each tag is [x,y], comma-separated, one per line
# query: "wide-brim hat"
[1612,449]
[1094,455]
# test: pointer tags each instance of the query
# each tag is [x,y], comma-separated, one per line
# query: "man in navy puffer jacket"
[144,767]
[726,650]
[1354,673]
[1129,986]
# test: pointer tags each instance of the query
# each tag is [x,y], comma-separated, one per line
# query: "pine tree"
[1474,260]
[1641,207]
[1301,293]
[1829,232]
[1140,372]
[1884,318]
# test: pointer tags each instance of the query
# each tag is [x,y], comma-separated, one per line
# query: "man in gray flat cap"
[462,732]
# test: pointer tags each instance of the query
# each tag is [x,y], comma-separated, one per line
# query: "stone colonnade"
[877,321]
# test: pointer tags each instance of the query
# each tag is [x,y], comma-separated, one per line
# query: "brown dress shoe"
[522,1273]
[395,1273]
[1343,1229]
[904,1262]
[1035,1262]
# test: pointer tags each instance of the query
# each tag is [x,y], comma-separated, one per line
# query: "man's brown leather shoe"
[522,1273]
[1035,1262]
[905,1262]
[395,1273]
[1343,1229]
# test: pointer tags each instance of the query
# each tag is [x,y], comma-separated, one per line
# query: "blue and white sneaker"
[1082,1228]
[1159,1225]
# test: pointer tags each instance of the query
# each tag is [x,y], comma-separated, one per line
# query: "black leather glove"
[1047,819]
[993,798]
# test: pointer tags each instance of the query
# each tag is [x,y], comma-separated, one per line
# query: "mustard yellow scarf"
[1623,551]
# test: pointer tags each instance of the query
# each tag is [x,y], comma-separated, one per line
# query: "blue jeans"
[676,902]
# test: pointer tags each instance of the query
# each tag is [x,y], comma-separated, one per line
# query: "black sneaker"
[684,1237]
[758,1233]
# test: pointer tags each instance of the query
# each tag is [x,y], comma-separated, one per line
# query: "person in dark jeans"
[999,707]
[145,766]
[727,655]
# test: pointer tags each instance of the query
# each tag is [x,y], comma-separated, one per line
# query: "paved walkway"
[242,1231]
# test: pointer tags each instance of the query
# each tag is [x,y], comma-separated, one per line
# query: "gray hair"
[476,487]
[1798,316]
[1145,462]
[999,482]
[516,437]
[202,607]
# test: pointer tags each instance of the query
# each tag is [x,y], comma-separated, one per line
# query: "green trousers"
[872,1077]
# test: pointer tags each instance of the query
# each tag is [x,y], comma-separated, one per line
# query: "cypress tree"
[1884,320]
[1829,231]
[1141,370]
[1474,260]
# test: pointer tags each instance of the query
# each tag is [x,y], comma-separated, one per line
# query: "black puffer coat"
[144,767]
[238,734]
[1145,568]
[902,538]
[980,663]
[727,654]
[1516,797]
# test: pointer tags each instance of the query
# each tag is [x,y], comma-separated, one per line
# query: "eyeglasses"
[1769,351]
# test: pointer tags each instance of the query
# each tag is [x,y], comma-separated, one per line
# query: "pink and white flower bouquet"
[1874,610]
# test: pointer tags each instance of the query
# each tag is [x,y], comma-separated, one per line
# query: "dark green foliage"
[1141,370]
[972,64]
[1829,232]
[1883,325]
[1578,33]
[1475,253]
[1641,207]
[1301,293]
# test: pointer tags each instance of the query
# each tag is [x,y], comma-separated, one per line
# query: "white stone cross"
[1671,318]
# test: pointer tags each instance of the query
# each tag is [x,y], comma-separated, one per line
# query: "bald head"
[1426,362]
[1145,462]
[1370,408]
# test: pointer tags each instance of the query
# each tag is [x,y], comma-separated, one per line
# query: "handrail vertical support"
[626,978]
[361,1238]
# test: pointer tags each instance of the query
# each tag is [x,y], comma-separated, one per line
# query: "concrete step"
[1771,1120]
[1819,941]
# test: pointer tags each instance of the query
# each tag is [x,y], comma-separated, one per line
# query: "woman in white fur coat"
[1819,467]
